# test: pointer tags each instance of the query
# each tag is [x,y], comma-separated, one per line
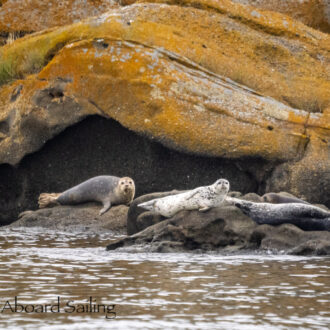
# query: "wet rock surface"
[224,229]
[77,219]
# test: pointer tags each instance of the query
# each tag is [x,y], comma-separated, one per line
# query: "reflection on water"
[157,291]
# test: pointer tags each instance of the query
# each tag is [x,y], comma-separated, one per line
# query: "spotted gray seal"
[201,198]
[107,189]
[304,216]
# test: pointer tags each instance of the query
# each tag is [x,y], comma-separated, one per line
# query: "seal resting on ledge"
[201,198]
[304,216]
[277,198]
[107,189]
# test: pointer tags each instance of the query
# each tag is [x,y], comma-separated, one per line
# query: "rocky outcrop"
[290,239]
[82,218]
[315,13]
[99,146]
[138,218]
[224,229]
[37,15]
[238,84]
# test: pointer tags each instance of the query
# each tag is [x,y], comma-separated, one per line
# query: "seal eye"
[130,182]
[122,182]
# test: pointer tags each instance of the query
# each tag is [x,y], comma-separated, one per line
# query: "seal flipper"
[204,209]
[148,205]
[48,200]
[190,194]
[106,207]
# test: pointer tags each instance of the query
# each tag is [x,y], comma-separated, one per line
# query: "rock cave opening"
[100,146]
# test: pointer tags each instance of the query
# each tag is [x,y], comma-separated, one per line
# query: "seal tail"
[48,200]
[148,205]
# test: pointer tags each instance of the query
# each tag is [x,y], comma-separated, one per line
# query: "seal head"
[278,198]
[126,189]
[221,186]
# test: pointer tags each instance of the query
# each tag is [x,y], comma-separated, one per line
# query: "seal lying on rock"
[277,198]
[202,198]
[108,190]
[304,216]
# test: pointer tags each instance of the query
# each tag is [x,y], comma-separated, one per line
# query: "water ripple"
[157,291]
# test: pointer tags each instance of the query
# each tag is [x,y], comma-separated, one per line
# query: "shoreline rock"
[223,229]
[79,218]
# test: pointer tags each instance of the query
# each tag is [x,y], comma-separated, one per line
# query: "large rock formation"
[97,146]
[224,229]
[239,83]
[82,218]
[315,13]
[37,15]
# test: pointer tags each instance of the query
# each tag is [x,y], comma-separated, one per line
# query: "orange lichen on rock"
[235,84]
[314,13]
[189,110]
[292,69]
[37,15]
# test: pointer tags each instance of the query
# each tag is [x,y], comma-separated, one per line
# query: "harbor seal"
[277,198]
[202,199]
[304,216]
[109,190]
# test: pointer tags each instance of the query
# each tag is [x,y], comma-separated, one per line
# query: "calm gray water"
[154,291]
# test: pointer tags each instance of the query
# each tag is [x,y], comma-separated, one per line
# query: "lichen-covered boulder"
[315,13]
[240,83]
[37,15]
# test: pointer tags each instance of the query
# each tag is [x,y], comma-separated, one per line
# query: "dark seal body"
[304,216]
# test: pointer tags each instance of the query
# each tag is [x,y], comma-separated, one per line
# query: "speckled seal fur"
[304,216]
[109,190]
[202,199]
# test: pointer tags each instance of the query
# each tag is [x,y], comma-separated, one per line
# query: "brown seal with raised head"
[107,189]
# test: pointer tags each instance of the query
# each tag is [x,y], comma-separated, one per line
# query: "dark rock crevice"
[97,146]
